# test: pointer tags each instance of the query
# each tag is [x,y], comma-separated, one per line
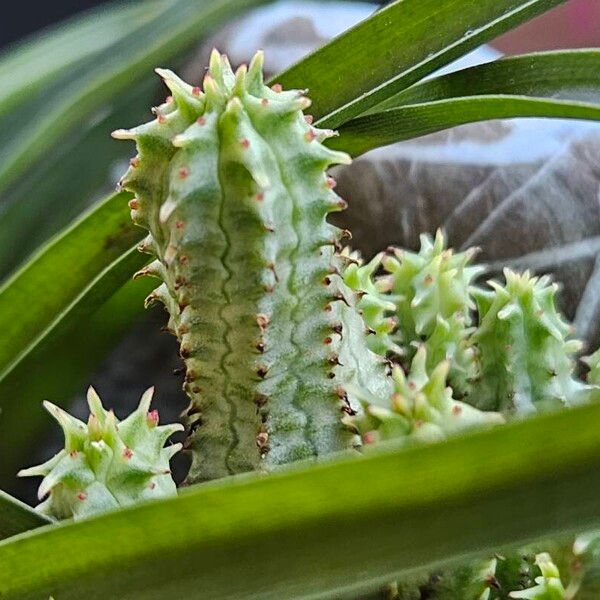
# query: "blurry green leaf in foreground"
[329,530]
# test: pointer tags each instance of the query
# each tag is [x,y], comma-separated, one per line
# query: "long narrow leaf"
[16,517]
[93,296]
[398,46]
[52,129]
[365,133]
[554,85]
[59,187]
[179,24]
[28,66]
[324,530]
[558,75]
[47,284]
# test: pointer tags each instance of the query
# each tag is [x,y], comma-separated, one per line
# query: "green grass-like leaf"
[31,64]
[62,184]
[398,46]
[571,75]
[68,91]
[320,531]
[563,84]
[53,278]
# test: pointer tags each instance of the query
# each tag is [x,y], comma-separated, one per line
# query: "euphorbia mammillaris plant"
[231,184]
[106,463]
[433,369]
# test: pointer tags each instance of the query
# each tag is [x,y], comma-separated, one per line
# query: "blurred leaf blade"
[94,295]
[16,517]
[27,66]
[61,115]
[344,79]
[174,28]
[63,184]
[55,276]
[550,85]
[403,509]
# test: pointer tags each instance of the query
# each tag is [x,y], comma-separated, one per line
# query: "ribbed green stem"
[231,184]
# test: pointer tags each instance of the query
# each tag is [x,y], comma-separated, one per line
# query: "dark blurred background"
[24,18]
[574,24]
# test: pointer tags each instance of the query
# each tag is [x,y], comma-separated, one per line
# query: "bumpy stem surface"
[106,463]
[231,184]
[527,359]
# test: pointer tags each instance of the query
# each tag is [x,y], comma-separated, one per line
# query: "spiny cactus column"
[526,358]
[231,184]
[106,463]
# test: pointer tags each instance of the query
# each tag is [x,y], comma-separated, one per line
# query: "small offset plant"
[423,398]
[513,355]
[106,463]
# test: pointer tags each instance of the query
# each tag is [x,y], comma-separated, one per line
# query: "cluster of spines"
[376,305]
[513,354]
[421,298]
[526,359]
[231,183]
[106,463]
[421,408]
